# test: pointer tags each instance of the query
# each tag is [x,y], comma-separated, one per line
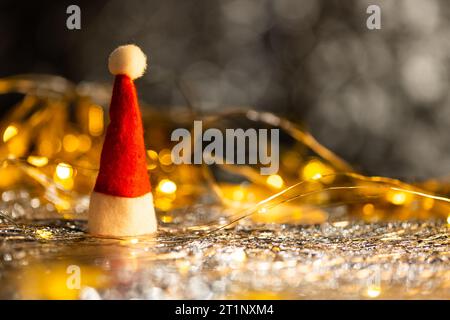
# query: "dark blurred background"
[378,98]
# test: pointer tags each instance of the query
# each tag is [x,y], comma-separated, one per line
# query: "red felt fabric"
[123,165]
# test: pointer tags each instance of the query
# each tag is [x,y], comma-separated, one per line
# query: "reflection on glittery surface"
[345,259]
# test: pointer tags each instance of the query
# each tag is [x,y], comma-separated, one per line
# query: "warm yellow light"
[153,155]
[448,219]
[133,254]
[317,176]
[37,161]
[183,266]
[85,143]
[62,204]
[95,120]
[238,194]
[368,209]
[262,210]
[167,186]
[166,219]
[428,203]
[129,241]
[165,157]
[64,171]
[261,295]
[275,181]
[315,170]
[373,291]
[48,147]
[44,234]
[163,204]
[239,255]
[9,133]
[398,197]
[70,143]
[56,280]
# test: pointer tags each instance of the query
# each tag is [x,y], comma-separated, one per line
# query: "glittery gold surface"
[340,260]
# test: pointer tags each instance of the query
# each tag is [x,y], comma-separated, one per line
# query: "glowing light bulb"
[165,157]
[85,143]
[95,120]
[262,210]
[153,155]
[9,133]
[275,181]
[167,186]
[238,195]
[316,170]
[373,291]
[166,219]
[368,209]
[397,197]
[317,176]
[37,161]
[70,143]
[64,171]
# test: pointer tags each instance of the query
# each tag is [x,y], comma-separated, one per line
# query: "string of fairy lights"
[54,137]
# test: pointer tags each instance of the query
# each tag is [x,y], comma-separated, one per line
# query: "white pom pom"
[128,60]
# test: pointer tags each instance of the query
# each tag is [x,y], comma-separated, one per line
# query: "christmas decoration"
[224,231]
[122,202]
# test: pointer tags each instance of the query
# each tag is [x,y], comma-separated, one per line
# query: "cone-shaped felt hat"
[123,166]
[122,202]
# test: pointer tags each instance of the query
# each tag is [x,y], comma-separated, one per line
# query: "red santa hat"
[122,203]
